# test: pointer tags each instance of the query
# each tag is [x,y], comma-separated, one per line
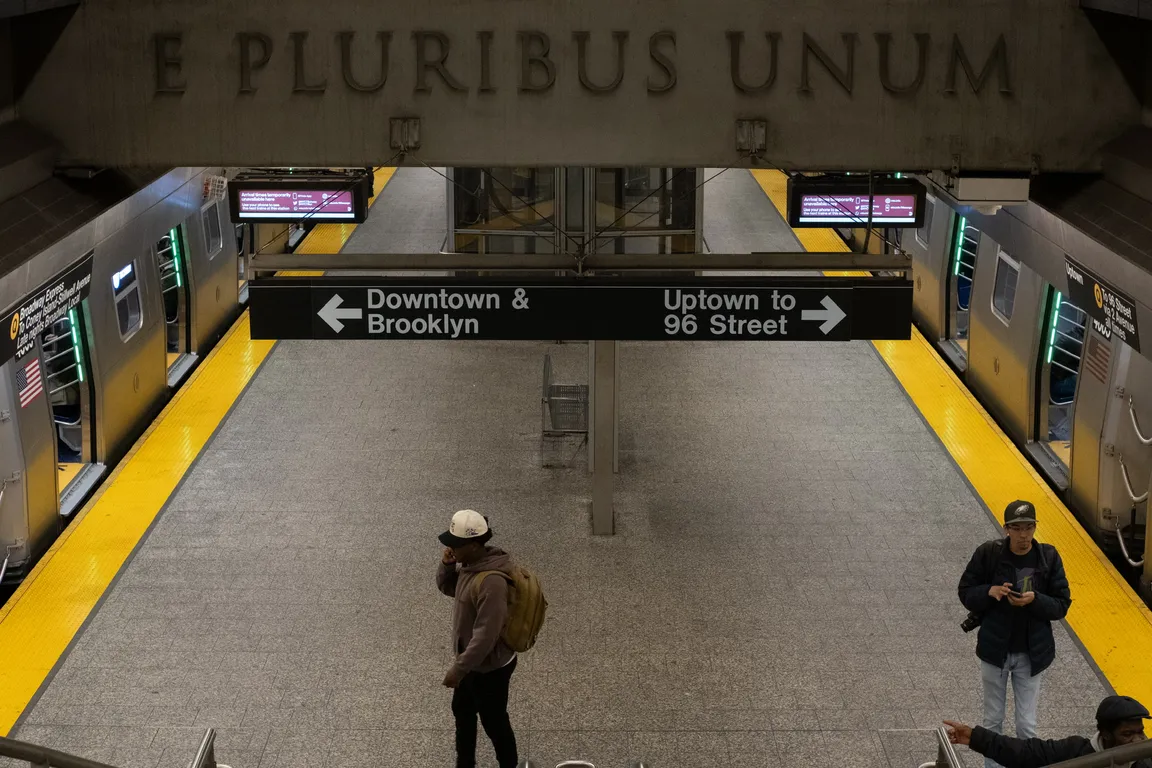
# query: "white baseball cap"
[467,526]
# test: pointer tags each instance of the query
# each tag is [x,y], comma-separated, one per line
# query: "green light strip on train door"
[1055,321]
[175,236]
[959,245]
[75,342]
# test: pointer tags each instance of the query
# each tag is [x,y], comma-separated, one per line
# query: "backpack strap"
[480,580]
[1043,558]
[993,558]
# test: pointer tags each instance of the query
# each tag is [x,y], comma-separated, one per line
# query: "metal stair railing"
[43,757]
[527,763]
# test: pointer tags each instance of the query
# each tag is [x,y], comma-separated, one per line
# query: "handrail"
[1124,550]
[206,754]
[44,757]
[946,756]
[527,763]
[1136,425]
[1128,483]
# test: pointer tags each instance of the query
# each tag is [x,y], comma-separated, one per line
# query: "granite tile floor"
[780,592]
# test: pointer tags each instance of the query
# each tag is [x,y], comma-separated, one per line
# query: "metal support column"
[602,437]
[592,409]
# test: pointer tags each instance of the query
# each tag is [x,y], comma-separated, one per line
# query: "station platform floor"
[791,525]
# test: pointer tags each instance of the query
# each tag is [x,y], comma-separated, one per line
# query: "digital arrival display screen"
[843,201]
[316,204]
[296,200]
[840,210]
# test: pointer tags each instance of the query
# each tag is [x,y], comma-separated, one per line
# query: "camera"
[974,620]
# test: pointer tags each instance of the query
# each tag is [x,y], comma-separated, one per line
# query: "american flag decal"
[1098,359]
[29,384]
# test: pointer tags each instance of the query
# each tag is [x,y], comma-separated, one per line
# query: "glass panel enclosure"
[562,210]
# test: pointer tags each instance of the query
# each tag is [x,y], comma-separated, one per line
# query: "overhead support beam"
[1139,9]
[467,262]
[13,8]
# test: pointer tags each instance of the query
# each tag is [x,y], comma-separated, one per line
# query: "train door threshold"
[1050,462]
[79,486]
[180,367]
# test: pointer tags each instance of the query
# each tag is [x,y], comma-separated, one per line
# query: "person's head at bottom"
[1120,720]
[466,537]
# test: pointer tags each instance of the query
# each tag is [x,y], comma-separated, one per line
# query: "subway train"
[99,329]
[993,293]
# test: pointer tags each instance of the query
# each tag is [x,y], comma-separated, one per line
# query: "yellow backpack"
[526,607]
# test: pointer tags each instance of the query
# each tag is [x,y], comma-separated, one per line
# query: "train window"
[924,233]
[126,292]
[1004,292]
[1065,343]
[213,235]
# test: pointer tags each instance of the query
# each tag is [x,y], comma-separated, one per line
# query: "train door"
[966,244]
[65,365]
[28,482]
[244,250]
[1062,348]
[172,262]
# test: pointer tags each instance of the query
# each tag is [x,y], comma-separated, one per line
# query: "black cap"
[1019,512]
[1116,709]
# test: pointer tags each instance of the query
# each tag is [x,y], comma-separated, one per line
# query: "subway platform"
[781,589]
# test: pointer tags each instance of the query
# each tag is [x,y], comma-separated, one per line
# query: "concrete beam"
[909,86]
[690,262]
[13,8]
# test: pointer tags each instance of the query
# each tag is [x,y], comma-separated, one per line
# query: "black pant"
[485,695]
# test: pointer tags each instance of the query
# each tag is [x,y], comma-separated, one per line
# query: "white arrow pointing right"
[332,314]
[831,314]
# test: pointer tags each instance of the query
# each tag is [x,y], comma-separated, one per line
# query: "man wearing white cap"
[484,662]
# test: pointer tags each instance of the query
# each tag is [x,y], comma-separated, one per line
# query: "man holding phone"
[1015,588]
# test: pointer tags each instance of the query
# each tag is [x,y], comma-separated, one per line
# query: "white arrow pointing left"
[332,314]
[831,314]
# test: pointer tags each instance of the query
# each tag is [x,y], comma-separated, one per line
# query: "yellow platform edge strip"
[1107,616]
[48,609]
[44,614]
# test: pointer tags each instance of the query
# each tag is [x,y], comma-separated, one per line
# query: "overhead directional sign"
[750,309]
[1112,311]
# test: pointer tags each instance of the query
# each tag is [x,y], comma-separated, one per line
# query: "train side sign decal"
[796,309]
[1113,312]
[46,304]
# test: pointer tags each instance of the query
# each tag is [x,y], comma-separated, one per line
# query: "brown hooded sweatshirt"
[479,618]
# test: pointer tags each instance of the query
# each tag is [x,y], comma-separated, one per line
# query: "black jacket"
[1033,753]
[988,567]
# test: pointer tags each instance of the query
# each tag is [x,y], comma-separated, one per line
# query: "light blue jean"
[1025,691]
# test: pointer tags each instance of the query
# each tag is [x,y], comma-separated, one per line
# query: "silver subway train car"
[103,319]
[998,292]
